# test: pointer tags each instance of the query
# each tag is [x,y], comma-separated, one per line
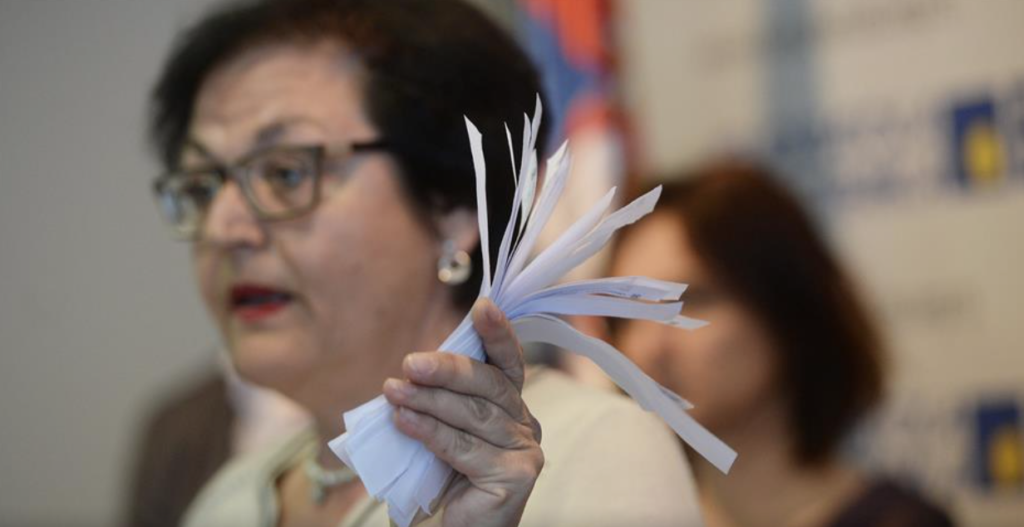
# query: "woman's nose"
[230,220]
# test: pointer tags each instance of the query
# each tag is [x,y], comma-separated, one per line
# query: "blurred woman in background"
[787,366]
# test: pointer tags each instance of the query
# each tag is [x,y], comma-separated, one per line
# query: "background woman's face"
[727,368]
[338,296]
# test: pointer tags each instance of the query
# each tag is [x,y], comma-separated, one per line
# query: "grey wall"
[97,309]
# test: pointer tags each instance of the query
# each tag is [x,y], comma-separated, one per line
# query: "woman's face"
[325,305]
[725,369]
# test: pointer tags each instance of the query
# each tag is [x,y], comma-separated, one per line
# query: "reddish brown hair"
[755,237]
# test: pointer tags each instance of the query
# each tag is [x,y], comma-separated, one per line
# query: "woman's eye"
[285,177]
[198,193]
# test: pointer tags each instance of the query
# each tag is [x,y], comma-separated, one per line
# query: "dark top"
[886,504]
[186,440]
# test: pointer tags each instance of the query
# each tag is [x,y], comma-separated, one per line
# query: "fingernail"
[401,388]
[408,416]
[492,313]
[421,364]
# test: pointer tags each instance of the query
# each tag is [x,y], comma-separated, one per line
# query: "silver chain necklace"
[322,480]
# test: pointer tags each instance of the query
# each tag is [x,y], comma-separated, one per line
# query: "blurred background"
[899,122]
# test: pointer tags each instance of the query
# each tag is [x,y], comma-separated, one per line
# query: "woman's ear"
[459,226]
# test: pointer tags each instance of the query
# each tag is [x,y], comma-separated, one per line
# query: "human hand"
[471,415]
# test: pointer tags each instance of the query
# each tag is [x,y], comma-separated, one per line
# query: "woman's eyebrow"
[272,133]
[267,136]
[195,144]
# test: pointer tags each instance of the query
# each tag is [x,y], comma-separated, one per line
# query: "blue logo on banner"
[999,446]
[979,150]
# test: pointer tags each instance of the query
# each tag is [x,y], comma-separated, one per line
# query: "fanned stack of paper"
[400,470]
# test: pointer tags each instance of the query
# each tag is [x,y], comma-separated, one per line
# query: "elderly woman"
[788,364]
[318,161]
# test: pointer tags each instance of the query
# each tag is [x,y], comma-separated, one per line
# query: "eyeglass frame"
[239,172]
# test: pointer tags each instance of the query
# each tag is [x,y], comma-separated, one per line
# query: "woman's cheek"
[739,365]
[692,363]
[651,349]
[204,269]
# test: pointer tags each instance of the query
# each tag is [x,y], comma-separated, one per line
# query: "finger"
[468,454]
[500,342]
[475,415]
[464,375]
[534,425]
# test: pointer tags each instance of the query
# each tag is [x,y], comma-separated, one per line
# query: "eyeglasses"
[278,183]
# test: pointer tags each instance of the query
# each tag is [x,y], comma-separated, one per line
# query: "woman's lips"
[253,303]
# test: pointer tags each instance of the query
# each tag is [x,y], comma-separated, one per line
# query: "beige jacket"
[607,462]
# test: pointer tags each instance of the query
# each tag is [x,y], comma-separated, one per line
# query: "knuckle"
[446,367]
[538,431]
[464,366]
[496,384]
[524,439]
[481,411]
[528,467]
[501,496]
[453,370]
[538,463]
[460,445]
[500,387]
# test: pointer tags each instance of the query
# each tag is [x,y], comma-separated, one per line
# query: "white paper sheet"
[400,470]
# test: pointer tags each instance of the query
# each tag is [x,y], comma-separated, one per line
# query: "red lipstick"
[253,303]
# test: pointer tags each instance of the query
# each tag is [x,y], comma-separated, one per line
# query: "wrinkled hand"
[472,415]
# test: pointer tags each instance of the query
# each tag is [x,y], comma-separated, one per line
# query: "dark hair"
[427,63]
[753,236]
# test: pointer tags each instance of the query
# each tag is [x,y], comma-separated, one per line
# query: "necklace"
[323,480]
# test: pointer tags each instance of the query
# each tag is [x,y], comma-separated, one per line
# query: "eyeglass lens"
[278,183]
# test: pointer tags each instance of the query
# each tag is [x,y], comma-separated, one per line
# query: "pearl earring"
[454,266]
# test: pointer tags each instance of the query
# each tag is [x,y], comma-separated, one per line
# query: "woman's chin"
[267,361]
